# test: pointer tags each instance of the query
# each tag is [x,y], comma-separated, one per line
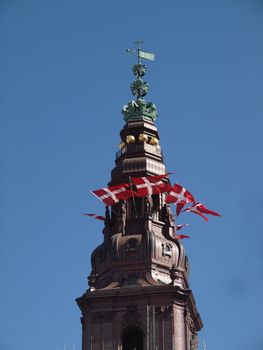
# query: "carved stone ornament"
[164,311]
[194,342]
[92,280]
[189,321]
[176,274]
[167,249]
[167,214]
[131,245]
[123,217]
[149,205]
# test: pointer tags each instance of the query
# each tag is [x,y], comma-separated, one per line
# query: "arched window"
[132,339]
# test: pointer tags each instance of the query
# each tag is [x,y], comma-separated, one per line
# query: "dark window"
[132,339]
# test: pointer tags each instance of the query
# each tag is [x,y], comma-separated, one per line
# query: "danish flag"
[200,209]
[181,236]
[95,216]
[113,194]
[149,185]
[180,196]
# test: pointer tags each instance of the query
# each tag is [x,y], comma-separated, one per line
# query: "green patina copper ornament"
[139,88]
[140,109]
[139,69]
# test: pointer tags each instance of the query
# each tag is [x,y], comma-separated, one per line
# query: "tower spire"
[139,295]
[140,109]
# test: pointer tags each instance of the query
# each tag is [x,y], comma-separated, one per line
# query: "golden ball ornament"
[143,138]
[130,139]
[121,145]
[154,141]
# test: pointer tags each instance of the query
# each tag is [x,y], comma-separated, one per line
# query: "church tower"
[139,296]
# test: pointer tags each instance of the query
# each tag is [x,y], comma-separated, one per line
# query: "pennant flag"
[112,195]
[200,209]
[178,227]
[149,185]
[95,216]
[146,55]
[181,236]
[180,196]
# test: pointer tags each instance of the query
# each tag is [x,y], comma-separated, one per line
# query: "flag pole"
[133,199]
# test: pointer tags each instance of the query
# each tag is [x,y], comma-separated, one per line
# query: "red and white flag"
[178,227]
[200,209]
[95,216]
[179,196]
[181,236]
[113,194]
[148,185]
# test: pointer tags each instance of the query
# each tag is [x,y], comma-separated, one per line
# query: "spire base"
[139,110]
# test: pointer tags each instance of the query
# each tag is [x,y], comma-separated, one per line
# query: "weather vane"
[141,54]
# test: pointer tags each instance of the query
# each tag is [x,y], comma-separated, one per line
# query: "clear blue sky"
[64,79]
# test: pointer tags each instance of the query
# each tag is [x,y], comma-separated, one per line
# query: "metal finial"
[139,109]
[138,42]
[141,54]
